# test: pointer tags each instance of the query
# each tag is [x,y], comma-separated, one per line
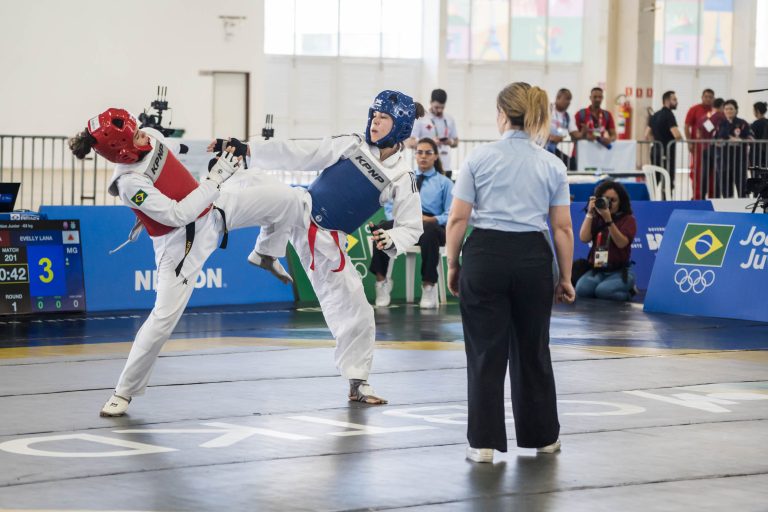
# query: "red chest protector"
[172,179]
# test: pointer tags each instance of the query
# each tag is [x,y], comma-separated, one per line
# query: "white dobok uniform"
[321,243]
[247,199]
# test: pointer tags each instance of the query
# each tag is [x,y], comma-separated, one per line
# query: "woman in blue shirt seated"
[435,191]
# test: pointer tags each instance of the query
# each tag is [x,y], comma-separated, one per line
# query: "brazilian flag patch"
[139,197]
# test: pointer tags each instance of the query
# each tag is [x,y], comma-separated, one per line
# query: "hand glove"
[223,168]
[381,237]
[241,148]
[221,145]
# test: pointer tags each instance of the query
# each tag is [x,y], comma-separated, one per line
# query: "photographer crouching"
[611,227]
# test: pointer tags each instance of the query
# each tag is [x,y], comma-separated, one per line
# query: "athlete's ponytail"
[81,144]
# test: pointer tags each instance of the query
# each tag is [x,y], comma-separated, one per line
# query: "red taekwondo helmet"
[113,130]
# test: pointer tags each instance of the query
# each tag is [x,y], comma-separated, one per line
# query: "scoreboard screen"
[41,267]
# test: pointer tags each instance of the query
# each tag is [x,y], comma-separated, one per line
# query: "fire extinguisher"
[624,118]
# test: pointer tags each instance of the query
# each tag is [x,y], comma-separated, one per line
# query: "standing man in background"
[560,126]
[698,125]
[437,126]
[593,123]
[662,127]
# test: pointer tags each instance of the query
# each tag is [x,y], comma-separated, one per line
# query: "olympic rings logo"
[694,280]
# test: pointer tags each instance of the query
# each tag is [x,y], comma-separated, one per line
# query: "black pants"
[505,294]
[430,242]
[730,171]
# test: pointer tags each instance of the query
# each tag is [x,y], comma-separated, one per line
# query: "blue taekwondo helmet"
[401,109]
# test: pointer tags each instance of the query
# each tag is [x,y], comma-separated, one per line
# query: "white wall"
[64,61]
[320,96]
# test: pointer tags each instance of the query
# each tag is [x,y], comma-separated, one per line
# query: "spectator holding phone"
[437,126]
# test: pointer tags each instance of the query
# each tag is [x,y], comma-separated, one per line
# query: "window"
[489,29]
[518,30]
[348,28]
[694,32]
[457,31]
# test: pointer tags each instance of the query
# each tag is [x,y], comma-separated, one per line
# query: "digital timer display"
[41,267]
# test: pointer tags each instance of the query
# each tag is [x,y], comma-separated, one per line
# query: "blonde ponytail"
[537,115]
[528,107]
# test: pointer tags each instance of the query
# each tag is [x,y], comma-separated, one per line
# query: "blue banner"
[126,279]
[652,217]
[712,264]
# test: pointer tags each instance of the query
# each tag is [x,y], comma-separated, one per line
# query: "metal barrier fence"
[709,169]
[51,175]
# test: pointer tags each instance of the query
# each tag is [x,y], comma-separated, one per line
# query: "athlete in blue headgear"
[359,174]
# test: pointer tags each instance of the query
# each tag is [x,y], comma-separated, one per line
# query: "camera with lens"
[758,185]
[156,120]
[601,203]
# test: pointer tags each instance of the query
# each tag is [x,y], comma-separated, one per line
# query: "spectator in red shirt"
[698,125]
[718,116]
[594,123]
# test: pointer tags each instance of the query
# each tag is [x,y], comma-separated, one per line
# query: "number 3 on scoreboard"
[47,275]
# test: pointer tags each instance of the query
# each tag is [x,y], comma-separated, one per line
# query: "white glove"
[224,168]
[381,238]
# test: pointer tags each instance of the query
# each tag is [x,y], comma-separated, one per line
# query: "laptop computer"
[8,194]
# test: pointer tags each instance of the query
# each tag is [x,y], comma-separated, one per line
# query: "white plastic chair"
[410,274]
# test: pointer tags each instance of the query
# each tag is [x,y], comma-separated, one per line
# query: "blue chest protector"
[347,193]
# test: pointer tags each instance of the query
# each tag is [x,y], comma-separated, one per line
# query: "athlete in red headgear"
[185,220]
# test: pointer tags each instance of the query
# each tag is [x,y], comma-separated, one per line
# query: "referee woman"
[506,190]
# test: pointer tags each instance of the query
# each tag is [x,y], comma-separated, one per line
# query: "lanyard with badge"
[708,125]
[597,131]
[601,250]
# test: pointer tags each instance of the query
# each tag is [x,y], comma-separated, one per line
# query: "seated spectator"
[435,191]
[611,227]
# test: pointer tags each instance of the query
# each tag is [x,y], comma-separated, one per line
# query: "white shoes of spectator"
[429,299]
[115,406]
[550,448]
[479,454]
[383,289]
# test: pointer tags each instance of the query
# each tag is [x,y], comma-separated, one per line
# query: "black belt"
[190,228]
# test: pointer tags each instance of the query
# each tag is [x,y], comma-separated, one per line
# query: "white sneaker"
[270,264]
[429,296]
[550,448]
[479,454]
[383,289]
[115,406]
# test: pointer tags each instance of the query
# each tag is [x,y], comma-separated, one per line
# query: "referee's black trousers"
[505,292]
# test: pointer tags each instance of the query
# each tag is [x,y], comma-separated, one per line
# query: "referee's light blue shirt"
[511,184]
